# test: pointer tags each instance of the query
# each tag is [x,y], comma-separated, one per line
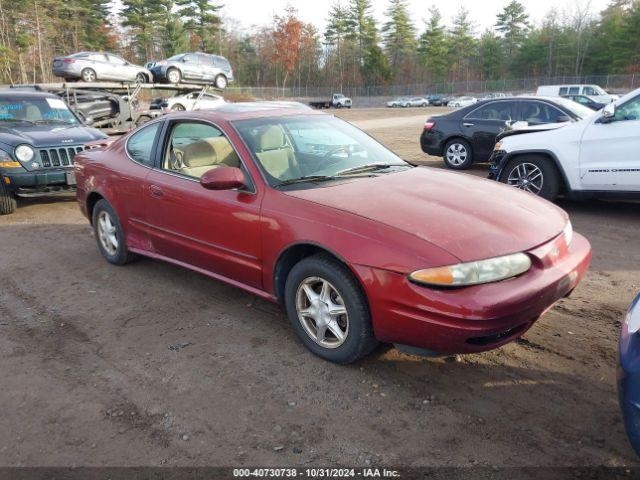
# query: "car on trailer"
[99,66]
[39,138]
[193,67]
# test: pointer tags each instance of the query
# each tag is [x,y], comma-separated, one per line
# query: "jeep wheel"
[109,235]
[88,75]
[328,310]
[534,174]
[8,202]
[220,82]
[458,154]
[174,75]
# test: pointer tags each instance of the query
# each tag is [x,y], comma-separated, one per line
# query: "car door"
[215,231]
[98,62]
[609,158]
[482,125]
[191,69]
[121,69]
[536,112]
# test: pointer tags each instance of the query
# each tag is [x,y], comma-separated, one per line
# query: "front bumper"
[471,319]
[629,381]
[54,180]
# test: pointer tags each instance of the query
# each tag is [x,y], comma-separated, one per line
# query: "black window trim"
[153,145]
[250,189]
[502,100]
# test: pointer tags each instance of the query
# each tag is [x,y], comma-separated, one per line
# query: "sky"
[483,12]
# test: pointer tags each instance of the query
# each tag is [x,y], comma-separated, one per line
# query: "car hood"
[48,135]
[469,217]
[531,129]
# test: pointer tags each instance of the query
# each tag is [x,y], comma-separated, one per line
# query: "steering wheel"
[335,150]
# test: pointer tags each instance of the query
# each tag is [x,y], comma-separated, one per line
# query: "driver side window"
[194,148]
[629,111]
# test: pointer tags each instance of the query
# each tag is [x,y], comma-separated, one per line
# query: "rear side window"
[205,60]
[539,112]
[222,63]
[574,90]
[500,111]
[563,90]
[140,144]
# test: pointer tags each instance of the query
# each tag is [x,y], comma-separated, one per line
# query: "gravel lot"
[89,377]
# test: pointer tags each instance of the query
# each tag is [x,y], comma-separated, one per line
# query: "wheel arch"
[93,198]
[294,253]
[565,185]
[456,136]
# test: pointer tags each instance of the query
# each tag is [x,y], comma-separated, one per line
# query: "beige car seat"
[196,158]
[277,158]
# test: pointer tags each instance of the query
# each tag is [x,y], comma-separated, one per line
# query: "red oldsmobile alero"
[359,246]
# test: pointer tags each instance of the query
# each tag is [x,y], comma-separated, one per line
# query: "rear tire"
[109,234]
[220,82]
[88,75]
[178,107]
[458,154]
[343,294]
[8,203]
[535,174]
[141,78]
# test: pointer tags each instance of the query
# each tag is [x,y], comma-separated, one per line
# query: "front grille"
[59,156]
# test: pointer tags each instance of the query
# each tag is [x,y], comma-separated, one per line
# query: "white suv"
[596,156]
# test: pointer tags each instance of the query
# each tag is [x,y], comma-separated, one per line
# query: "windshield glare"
[288,148]
[36,110]
[577,108]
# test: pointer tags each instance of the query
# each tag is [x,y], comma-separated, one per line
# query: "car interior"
[196,148]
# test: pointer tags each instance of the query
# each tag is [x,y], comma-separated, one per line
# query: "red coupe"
[303,208]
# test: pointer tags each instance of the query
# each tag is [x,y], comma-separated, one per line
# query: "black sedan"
[586,101]
[467,135]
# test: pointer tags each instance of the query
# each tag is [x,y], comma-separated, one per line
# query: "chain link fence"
[612,83]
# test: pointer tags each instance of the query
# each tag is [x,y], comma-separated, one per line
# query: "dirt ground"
[88,376]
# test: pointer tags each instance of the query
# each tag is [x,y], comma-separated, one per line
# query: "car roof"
[249,110]
[24,92]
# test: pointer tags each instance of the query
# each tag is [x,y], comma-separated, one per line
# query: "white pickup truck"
[595,157]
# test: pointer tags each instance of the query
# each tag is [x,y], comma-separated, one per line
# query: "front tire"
[458,154]
[178,107]
[174,75]
[328,310]
[109,234]
[533,173]
[8,203]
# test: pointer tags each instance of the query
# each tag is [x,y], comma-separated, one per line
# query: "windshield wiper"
[53,120]
[307,178]
[368,168]
[16,120]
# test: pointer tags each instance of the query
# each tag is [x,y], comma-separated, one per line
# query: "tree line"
[353,50]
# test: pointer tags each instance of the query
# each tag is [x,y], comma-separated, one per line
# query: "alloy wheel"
[174,76]
[322,312]
[456,154]
[526,176]
[107,233]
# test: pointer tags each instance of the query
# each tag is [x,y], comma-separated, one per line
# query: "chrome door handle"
[468,124]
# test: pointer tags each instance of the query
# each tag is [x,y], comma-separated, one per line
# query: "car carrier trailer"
[116,104]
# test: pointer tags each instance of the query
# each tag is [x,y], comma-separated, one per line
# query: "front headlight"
[24,153]
[633,316]
[568,233]
[498,146]
[474,273]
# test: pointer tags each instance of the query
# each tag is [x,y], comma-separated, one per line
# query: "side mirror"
[608,112]
[563,119]
[222,178]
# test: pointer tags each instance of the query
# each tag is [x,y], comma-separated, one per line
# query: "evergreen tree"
[201,20]
[433,50]
[398,33]
[491,55]
[512,23]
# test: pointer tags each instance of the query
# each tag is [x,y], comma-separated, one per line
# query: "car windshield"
[35,110]
[296,148]
[576,108]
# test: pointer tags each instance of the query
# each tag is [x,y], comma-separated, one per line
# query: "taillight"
[428,125]
[68,60]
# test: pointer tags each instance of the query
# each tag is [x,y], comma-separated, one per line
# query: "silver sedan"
[94,66]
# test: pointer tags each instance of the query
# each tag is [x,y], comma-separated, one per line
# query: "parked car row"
[185,67]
